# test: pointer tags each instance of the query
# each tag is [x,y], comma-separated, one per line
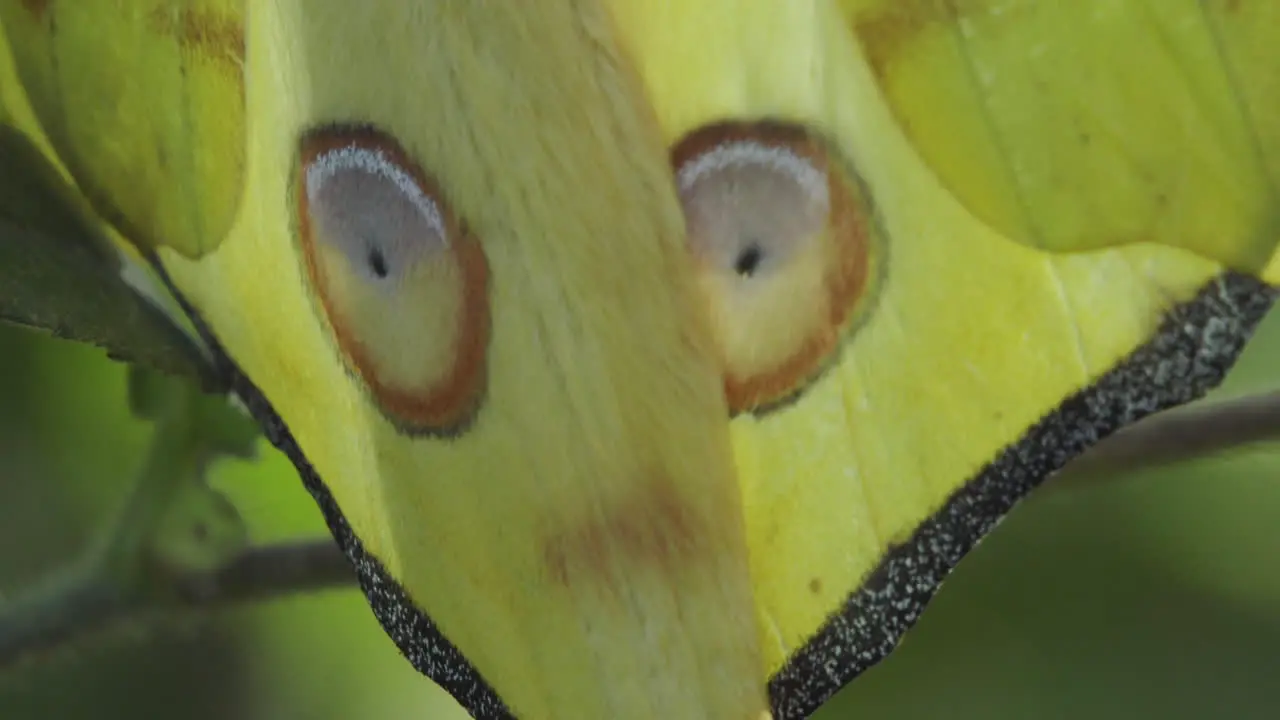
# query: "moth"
[660,359]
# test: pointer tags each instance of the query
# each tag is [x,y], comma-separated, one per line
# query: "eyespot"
[402,283]
[783,240]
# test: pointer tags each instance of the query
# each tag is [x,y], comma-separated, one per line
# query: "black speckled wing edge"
[416,635]
[1195,347]
[413,632]
[1190,354]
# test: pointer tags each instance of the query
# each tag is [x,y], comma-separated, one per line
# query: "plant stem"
[1192,432]
[269,572]
[57,615]
[119,581]
[88,601]
[174,457]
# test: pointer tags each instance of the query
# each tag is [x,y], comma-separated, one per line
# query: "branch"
[1191,432]
[57,615]
[269,572]
[87,602]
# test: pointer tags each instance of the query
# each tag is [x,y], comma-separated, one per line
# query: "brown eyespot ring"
[403,284]
[784,240]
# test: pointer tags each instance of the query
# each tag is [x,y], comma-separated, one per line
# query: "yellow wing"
[479,341]
[143,103]
[662,358]
[1058,190]
[1082,125]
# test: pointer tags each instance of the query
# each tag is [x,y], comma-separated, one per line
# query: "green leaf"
[58,273]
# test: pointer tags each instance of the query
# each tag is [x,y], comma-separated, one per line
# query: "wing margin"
[1196,345]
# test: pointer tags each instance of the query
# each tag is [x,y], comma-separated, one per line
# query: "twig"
[88,602]
[268,572]
[57,615]
[1190,432]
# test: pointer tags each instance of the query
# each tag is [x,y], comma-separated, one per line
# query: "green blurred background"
[1155,595]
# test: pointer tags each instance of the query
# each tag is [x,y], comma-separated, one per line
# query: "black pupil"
[377,262]
[749,260]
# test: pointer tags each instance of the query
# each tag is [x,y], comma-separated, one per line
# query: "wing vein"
[1068,309]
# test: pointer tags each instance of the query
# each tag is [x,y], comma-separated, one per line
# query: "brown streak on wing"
[651,530]
[38,9]
[217,37]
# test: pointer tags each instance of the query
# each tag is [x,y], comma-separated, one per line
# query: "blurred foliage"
[1155,596]
[69,451]
[60,273]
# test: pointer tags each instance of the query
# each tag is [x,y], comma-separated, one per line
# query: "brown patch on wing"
[37,8]
[650,530]
[218,37]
